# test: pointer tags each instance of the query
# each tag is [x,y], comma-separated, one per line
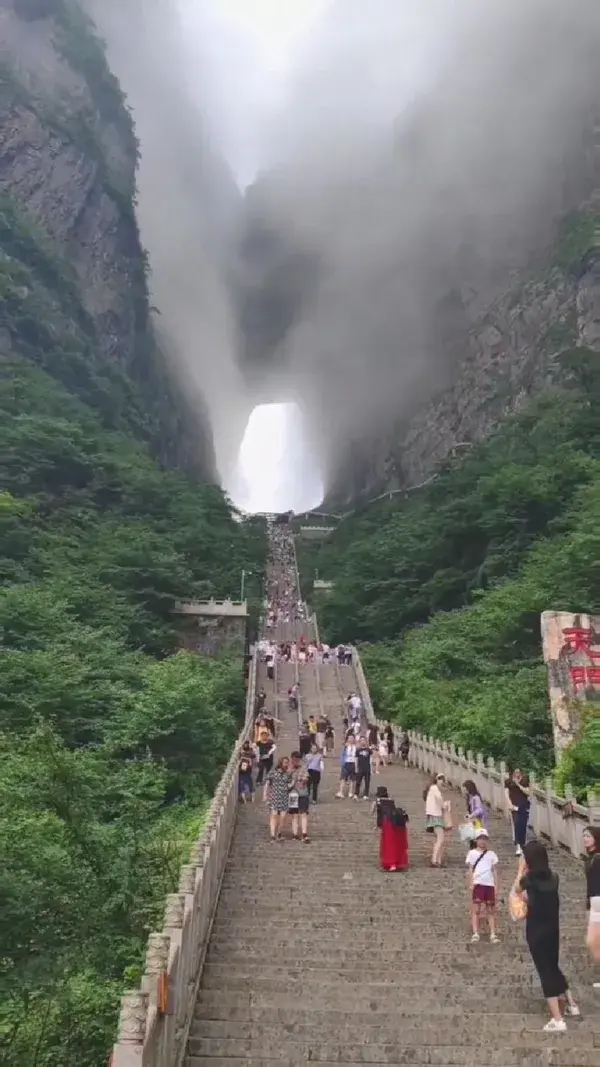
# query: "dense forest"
[444,588]
[111,740]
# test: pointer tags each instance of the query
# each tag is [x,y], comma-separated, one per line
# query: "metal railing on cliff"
[387,495]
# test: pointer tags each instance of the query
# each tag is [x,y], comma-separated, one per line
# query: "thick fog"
[416,154]
[188,204]
[422,151]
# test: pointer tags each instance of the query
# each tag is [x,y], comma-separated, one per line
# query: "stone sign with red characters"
[572,655]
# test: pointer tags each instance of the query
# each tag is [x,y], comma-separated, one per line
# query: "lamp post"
[245,574]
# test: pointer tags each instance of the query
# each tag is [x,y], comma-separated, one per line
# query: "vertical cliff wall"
[73,274]
[188,202]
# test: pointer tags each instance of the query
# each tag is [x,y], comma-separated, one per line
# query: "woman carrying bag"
[536,887]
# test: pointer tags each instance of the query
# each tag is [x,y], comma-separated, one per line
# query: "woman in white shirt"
[436,813]
[348,768]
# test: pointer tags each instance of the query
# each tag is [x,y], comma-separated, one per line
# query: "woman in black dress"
[539,886]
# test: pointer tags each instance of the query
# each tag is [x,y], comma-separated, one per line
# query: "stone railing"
[154,1019]
[560,819]
[363,688]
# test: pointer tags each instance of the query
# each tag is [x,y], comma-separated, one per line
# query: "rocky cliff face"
[73,271]
[511,351]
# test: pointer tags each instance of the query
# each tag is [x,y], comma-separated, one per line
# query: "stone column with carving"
[571,646]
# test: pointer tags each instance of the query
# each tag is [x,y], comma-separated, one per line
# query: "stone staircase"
[317,955]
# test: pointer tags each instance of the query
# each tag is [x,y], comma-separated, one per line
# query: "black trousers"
[264,768]
[314,777]
[362,776]
[520,819]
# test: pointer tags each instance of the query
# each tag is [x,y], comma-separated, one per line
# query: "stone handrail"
[363,688]
[154,1019]
[299,713]
[560,819]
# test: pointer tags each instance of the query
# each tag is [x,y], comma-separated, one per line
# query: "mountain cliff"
[73,274]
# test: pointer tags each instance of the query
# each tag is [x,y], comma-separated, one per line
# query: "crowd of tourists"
[303,650]
[290,786]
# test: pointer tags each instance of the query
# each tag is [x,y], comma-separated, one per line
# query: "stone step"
[213,1007]
[333,946]
[263,1052]
[478,958]
[397,1032]
[316,981]
[383,1001]
[353,972]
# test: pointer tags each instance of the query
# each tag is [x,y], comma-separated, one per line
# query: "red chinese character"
[580,640]
[593,675]
[578,676]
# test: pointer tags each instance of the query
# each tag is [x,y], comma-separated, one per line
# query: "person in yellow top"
[312,726]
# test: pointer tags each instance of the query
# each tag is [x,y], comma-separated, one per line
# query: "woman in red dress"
[393,841]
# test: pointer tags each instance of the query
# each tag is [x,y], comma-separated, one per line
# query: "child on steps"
[483,884]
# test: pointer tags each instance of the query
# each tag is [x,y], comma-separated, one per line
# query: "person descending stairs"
[316,954]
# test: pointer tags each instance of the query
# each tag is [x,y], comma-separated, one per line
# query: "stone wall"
[213,635]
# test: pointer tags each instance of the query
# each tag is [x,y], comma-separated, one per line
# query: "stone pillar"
[571,645]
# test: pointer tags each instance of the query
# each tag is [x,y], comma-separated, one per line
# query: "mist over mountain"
[188,205]
[419,157]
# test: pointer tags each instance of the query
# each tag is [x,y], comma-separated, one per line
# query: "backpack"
[400,817]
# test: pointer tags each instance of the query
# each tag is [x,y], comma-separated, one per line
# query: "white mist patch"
[277,467]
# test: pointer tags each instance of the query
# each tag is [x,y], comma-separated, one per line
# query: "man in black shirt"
[363,768]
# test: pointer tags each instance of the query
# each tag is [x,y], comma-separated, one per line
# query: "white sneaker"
[556,1026]
[518,851]
[596,985]
[573,1010]
[474,939]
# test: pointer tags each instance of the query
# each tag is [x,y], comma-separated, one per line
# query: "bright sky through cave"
[253,45]
[277,471]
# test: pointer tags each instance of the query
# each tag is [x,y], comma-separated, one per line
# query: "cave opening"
[277,469]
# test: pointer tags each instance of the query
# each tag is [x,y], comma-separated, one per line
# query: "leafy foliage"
[453,581]
[111,741]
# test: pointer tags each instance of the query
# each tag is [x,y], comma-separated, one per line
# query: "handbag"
[448,824]
[466,832]
[517,906]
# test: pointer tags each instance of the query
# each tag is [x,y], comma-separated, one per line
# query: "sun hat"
[481,833]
